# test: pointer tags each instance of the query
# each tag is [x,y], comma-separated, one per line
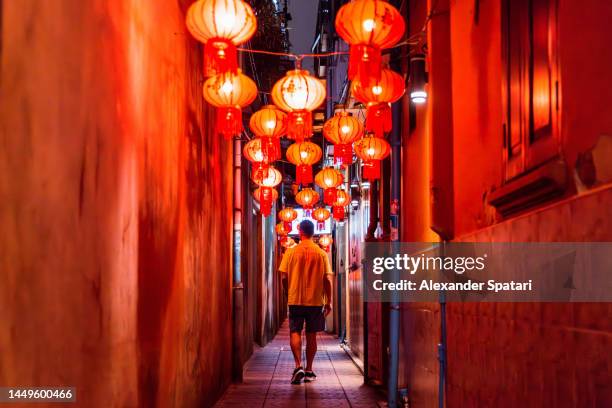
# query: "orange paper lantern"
[328,179]
[266,180]
[342,130]
[325,242]
[254,153]
[269,123]
[298,93]
[281,229]
[342,200]
[307,198]
[229,93]
[369,26]
[372,150]
[265,196]
[287,215]
[321,215]
[304,155]
[378,96]
[221,25]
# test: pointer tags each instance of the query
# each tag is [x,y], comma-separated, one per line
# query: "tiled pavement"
[266,379]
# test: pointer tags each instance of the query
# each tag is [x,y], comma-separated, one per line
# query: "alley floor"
[266,379]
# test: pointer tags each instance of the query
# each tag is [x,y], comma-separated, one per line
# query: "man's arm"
[327,289]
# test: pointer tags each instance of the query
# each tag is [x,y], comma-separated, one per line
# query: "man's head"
[306,229]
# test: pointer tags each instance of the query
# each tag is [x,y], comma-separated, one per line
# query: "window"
[530,84]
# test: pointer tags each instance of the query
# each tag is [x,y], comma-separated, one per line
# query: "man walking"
[307,276]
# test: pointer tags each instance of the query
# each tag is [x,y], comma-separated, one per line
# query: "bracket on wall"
[543,184]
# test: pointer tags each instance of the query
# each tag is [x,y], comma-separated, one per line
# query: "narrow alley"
[266,377]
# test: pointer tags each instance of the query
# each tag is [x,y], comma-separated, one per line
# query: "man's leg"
[311,349]
[295,340]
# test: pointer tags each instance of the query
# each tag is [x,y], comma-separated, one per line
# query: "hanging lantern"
[288,215]
[372,150]
[288,242]
[378,96]
[342,200]
[325,242]
[267,180]
[298,93]
[342,130]
[304,155]
[257,194]
[221,25]
[369,26]
[321,215]
[229,93]
[269,123]
[307,198]
[253,152]
[328,179]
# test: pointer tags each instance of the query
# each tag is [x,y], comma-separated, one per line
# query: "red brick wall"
[115,253]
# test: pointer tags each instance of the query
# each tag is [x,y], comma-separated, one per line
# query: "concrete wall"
[116,206]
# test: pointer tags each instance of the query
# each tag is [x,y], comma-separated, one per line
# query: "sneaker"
[309,376]
[297,376]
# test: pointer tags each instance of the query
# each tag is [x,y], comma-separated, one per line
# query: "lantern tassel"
[338,212]
[299,125]
[371,170]
[265,201]
[288,227]
[220,56]
[343,154]
[329,196]
[269,149]
[379,119]
[229,122]
[303,174]
[365,64]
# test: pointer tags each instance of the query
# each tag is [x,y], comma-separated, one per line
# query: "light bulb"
[369,25]
[270,124]
[377,89]
[371,151]
[345,129]
[418,97]
[226,20]
[259,156]
[303,155]
[227,87]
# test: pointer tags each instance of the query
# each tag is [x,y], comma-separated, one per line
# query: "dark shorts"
[312,315]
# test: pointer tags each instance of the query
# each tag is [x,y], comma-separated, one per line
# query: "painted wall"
[114,269]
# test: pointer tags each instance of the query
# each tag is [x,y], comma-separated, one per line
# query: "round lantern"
[342,200]
[288,242]
[321,215]
[369,26]
[325,242]
[378,96]
[372,150]
[298,93]
[307,198]
[282,231]
[328,179]
[229,93]
[269,123]
[254,153]
[342,130]
[257,194]
[304,155]
[266,179]
[287,215]
[221,25]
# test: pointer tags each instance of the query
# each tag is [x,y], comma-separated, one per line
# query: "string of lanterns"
[369,27]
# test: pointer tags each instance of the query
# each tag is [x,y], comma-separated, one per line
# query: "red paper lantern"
[229,93]
[221,25]
[342,200]
[298,93]
[372,150]
[266,180]
[253,152]
[269,123]
[321,215]
[378,96]
[342,130]
[287,215]
[281,229]
[328,179]
[325,242]
[307,198]
[304,155]
[369,26]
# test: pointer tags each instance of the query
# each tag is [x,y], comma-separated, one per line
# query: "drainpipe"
[394,307]
[237,286]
